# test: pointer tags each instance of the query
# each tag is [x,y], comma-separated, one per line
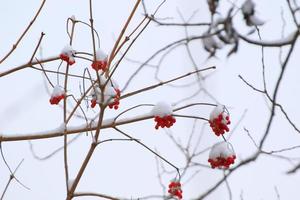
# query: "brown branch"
[112,54]
[37,46]
[2,74]
[165,82]
[11,177]
[86,194]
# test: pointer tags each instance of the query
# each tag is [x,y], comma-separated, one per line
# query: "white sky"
[126,169]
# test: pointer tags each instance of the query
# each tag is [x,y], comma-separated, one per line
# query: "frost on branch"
[175,189]
[101,61]
[58,94]
[111,95]
[219,120]
[162,112]
[67,54]
[249,14]
[221,155]
[70,183]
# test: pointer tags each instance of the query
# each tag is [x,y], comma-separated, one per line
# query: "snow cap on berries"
[57,91]
[73,18]
[219,109]
[67,54]
[221,155]
[68,50]
[58,94]
[111,94]
[162,109]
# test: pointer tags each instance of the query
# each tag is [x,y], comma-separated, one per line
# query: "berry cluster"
[175,189]
[99,64]
[56,99]
[166,121]
[93,103]
[222,162]
[57,94]
[100,61]
[69,59]
[219,124]
[116,102]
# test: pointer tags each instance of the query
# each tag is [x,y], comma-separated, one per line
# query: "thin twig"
[24,33]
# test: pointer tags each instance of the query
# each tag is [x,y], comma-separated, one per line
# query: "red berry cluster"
[99,64]
[166,121]
[93,103]
[222,162]
[116,102]
[56,99]
[175,189]
[219,124]
[66,58]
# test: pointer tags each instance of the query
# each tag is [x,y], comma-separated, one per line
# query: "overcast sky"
[126,169]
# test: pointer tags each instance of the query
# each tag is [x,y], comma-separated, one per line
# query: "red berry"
[93,103]
[56,99]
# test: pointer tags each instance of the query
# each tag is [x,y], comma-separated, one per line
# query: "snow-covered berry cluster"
[175,189]
[219,120]
[221,155]
[162,113]
[67,54]
[57,95]
[248,10]
[100,62]
[116,102]
[111,95]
